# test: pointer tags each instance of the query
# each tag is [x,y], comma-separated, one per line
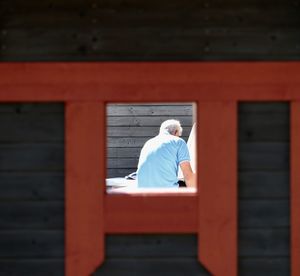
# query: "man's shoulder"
[179,140]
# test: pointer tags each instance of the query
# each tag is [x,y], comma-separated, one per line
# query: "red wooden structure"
[216,88]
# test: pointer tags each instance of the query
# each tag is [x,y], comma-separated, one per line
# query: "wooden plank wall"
[31,189]
[131,125]
[32,197]
[31,147]
[263,208]
[264,212]
[92,30]
[151,255]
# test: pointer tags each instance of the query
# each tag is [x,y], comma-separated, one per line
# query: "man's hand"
[189,176]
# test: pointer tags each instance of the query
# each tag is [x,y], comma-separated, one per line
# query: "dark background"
[32,134]
[77,30]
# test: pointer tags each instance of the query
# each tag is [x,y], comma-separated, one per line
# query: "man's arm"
[189,176]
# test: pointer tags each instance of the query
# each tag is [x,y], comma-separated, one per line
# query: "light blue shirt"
[159,161]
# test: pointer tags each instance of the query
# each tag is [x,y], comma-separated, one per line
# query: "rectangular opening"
[129,127]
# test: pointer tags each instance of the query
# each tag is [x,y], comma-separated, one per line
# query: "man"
[161,156]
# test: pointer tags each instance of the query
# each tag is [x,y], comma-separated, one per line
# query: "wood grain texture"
[151,246]
[264,266]
[264,213]
[264,192]
[264,242]
[149,81]
[31,189]
[32,157]
[31,244]
[85,161]
[32,127]
[27,107]
[264,126]
[264,156]
[262,185]
[129,126]
[217,167]
[151,213]
[33,267]
[145,120]
[32,186]
[154,266]
[32,215]
[149,110]
[87,31]
[295,188]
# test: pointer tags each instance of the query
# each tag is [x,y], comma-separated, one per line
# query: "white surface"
[191,144]
[118,182]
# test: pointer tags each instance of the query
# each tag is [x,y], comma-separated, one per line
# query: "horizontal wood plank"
[278,266]
[147,73]
[31,186]
[263,107]
[135,4]
[264,213]
[32,127]
[31,215]
[119,172]
[264,242]
[149,110]
[264,147]
[139,121]
[264,118]
[32,267]
[31,244]
[271,127]
[152,15]
[40,108]
[153,266]
[262,184]
[31,157]
[141,131]
[105,45]
[149,246]
[123,152]
[123,213]
[263,156]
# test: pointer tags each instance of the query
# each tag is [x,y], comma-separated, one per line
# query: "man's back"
[159,161]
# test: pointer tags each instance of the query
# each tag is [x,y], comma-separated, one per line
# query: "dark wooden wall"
[31,137]
[151,255]
[32,199]
[131,125]
[264,212]
[149,30]
[263,184]
[31,189]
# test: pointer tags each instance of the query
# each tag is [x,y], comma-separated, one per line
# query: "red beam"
[295,188]
[151,213]
[147,72]
[217,186]
[152,92]
[85,164]
[141,82]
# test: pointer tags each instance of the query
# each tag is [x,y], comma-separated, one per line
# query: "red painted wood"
[213,86]
[85,163]
[295,188]
[131,82]
[151,213]
[145,72]
[217,186]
